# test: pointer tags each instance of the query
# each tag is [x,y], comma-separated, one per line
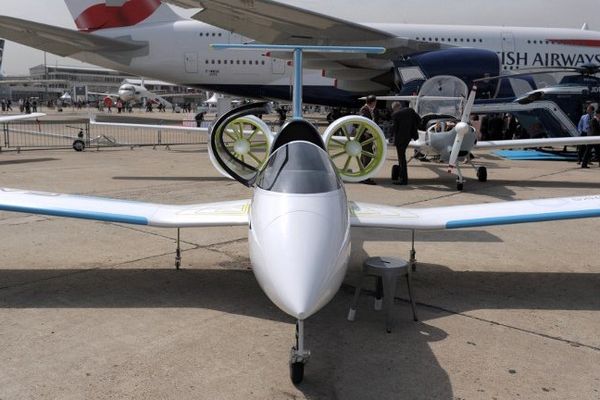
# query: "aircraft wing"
[522,143]
[60,41]
[272,22]
[476,215]
[9,118]
[227,213]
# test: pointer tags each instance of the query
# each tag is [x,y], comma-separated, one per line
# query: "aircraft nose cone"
[462,128]
[305,264]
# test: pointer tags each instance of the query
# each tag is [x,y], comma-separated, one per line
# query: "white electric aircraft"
[147,38]
[299,217]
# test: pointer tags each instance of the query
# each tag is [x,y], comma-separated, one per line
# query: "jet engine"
[357,147]
[464,63]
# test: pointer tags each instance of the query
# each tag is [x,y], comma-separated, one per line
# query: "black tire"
[395,172]
[459,186]
[79,145]
[297,372]
[482,174]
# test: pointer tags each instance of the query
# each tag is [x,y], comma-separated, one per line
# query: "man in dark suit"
[405,125]
[594,130]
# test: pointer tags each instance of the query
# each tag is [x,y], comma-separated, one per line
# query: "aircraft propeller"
[461,129]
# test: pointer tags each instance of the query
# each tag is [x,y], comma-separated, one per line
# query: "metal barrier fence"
[60,134]
[81,133]
[31,134]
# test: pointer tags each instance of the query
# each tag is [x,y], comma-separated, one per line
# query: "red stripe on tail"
[101,16]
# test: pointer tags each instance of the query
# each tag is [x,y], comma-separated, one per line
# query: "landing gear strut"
[299,355]
[178,251]
[413,253]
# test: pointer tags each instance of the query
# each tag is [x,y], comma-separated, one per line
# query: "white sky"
[550,13]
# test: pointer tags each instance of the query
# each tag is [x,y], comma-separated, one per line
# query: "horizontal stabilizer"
[60,41]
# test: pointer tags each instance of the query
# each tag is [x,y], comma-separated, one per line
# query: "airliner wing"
[272,22]
[476,215]
[9,118]
[60,41]
[522,143]
[227,213]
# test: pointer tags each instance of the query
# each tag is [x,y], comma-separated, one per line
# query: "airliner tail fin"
[93,15]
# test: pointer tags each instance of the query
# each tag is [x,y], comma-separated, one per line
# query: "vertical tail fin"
[93,15]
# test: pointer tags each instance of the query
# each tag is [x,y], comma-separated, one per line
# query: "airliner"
[154,39]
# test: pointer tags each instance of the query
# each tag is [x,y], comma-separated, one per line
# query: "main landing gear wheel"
[459,186]
[248,139]
[78,145]
[357,147]
[395,172]
[482,174]
[297,372]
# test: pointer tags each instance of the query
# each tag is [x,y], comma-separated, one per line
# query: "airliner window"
[299,167]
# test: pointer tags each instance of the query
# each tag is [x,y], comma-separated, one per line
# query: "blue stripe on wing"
[519,219]
[97,216]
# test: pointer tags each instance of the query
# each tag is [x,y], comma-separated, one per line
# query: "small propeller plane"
[448,135]
[299,216]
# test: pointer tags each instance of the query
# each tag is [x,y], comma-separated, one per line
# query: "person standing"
[594,130]
[405,127]
[583,128]
[368,111]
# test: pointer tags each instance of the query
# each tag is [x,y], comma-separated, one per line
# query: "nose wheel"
[482,174]
[299,355]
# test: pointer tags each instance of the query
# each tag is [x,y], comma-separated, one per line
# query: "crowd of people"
[26,106]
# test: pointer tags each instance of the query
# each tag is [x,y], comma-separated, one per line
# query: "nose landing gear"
[299,355]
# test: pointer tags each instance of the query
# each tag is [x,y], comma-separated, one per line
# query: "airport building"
[51,82]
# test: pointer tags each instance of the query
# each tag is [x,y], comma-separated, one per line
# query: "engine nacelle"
[357,147]
[466,64]
[240,143]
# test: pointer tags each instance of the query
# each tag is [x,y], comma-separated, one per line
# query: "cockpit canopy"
[297,160]
[299,167]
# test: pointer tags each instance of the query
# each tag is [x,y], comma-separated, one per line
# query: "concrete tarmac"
[94,310]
